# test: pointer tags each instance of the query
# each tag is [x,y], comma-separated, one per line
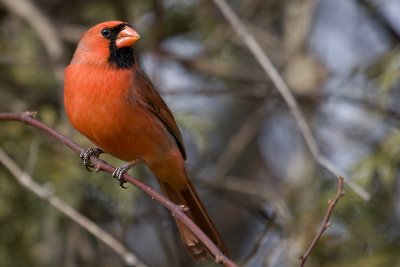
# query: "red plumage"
[113,103]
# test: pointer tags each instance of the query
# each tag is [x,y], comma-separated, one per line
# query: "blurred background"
[245,153]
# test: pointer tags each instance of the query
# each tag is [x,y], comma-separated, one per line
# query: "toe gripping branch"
[87,153]
[118,173]
[121,170]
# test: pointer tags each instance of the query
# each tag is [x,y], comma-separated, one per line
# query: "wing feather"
[158,107]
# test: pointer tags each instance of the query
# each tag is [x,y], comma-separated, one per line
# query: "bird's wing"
[157,106]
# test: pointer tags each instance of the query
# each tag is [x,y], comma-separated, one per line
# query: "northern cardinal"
[111,101]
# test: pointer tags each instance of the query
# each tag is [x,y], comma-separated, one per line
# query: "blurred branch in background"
[236,145]
[281,86]
[42,25]
[46,32]
[45,194]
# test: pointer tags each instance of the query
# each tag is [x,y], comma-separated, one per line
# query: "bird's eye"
[106,32]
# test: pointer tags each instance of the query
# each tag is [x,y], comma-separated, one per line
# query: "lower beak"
[127,37]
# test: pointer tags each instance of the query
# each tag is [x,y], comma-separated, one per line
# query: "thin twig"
[42,192]
[325,223]
[287,96]
[101,165]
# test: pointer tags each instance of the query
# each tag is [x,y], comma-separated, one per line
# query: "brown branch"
[28,119]
[325,223]
[286,94]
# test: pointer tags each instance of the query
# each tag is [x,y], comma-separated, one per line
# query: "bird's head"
[108,43]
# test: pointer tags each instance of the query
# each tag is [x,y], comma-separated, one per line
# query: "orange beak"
[127,37]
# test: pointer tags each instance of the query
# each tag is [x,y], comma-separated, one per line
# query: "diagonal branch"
[42,192]
[326,222]
[177,212]
[287,96]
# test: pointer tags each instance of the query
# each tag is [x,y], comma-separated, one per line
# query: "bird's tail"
[188,197]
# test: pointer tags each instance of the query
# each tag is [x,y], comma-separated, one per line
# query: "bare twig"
[25,180]
[287,96]
[325,223]
[28,118]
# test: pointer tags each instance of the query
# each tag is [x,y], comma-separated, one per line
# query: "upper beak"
[127,37]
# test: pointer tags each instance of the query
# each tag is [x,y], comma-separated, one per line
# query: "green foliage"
[385,71]
[383,162]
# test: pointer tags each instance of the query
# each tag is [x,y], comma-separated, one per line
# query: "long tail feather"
[196,211]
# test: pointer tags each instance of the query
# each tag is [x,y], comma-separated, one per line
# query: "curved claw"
[87,153]
[119,175]
[121,170]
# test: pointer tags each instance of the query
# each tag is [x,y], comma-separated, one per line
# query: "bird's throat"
[122,58]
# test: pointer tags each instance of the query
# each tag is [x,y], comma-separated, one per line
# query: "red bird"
[111,101]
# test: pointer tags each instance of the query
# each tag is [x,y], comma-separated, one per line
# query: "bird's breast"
[100,104]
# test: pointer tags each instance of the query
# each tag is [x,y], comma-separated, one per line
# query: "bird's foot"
[121,170]
[87,153]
